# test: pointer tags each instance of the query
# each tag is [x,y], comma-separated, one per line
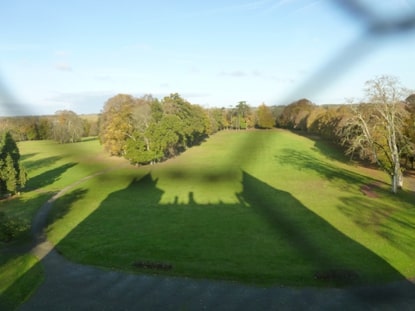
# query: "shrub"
[11,228]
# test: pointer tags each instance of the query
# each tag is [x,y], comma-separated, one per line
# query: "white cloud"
[235,73]
[63,66]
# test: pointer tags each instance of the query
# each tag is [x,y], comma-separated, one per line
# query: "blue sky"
[76,54]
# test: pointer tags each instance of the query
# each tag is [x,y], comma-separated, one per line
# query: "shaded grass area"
[262,239]
[262,207]
[20,276]
[273,213]
[50,167]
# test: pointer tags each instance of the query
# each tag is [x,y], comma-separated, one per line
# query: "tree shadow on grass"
[336,175]
[24,157]
[48,177]
[332,256]
[322,255]
[37,164]
[24,286]
[395,224]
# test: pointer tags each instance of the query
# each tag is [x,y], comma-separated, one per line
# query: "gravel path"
[71,286]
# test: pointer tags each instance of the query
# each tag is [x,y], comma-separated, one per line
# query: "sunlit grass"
[50,167]
[209,213]
[263,207]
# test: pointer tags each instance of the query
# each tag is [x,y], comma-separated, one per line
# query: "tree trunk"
[397,178]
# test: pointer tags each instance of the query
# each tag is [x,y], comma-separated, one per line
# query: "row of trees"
[65,127]
[146,130]
[380,129]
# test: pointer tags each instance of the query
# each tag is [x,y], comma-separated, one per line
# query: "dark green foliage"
[145,130]
[12,175]
[11,228]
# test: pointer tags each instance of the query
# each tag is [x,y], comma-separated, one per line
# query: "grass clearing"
[263,207]
[260,207]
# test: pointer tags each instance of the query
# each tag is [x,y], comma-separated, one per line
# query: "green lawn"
[20,275]
[51,167]
[263,207]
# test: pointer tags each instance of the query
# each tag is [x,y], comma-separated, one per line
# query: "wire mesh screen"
[378,23]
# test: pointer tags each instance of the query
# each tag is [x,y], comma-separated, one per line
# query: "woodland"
[379,129]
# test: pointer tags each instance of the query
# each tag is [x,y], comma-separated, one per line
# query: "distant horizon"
[212,107]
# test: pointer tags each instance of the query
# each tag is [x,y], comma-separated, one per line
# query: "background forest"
[147,130]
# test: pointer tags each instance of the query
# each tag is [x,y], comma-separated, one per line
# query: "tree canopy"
[146,130]
[67,127]
[265,119]
[376,129]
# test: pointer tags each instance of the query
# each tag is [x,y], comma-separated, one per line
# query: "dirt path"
[71,286]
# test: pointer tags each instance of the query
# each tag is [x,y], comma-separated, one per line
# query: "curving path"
[71,286]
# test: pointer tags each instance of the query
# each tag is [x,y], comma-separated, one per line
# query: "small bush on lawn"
[11,228]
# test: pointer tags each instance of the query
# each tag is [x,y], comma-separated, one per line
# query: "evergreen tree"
[12,175]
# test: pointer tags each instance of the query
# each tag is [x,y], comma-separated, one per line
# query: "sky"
[76,54]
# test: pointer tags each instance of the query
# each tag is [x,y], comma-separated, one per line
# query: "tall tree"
[67,127]
[410,125]
[138,148]
[116,123]
[242,112]
[12,174]
[192,118]
[265,119]
[295,115]
[376,129]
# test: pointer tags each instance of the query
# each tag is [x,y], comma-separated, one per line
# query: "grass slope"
[50,167]
[264,207]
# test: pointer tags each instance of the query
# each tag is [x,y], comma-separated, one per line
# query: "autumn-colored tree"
[116,123]
[265,119]
[410,124]
[294,116]
[376,129]
[67,127]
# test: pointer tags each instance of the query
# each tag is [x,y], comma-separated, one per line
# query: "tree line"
[147,130]
[380,128]
[64,126]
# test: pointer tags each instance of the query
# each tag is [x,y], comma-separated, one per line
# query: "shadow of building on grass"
[266,237]
[290,245]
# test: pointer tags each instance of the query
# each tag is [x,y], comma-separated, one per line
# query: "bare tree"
[376,129]
[67,127]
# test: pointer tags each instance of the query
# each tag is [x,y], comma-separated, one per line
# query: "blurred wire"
[378,22]
[376,27]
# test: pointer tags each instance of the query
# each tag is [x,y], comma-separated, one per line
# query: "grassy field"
[51,167]
[262,207]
